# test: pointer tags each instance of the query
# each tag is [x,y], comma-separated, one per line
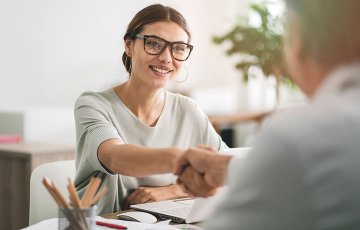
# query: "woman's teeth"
[162,71]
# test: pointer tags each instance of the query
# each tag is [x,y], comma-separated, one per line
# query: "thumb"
[181,164]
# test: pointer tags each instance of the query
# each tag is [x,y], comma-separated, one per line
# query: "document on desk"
[187,227]
[52,224]
[131,225]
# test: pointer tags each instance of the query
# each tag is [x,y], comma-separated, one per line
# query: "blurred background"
[51,51]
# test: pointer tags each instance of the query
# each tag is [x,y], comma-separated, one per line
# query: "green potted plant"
[259,46]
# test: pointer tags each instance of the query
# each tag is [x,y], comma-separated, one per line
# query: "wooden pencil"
[73,194]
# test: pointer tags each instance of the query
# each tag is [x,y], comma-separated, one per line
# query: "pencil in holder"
[77,218]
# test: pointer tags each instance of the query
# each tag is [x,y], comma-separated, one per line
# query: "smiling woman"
[156,53]
[133,133]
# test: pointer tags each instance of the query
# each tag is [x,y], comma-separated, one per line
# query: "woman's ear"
[128,47]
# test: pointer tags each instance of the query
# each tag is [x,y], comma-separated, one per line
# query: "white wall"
[52,50]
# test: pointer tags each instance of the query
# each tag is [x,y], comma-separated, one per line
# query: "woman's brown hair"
[151,14]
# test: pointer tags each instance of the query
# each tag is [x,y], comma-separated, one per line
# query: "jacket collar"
[339,80]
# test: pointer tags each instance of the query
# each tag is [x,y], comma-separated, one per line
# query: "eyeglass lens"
[180,51]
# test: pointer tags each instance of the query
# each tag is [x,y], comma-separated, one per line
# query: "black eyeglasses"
[154,45]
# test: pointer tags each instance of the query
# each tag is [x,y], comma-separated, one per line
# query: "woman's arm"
[151,194]
[135,160]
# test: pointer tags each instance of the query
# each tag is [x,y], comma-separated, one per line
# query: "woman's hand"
[195,183]
[151,194]
[212,166]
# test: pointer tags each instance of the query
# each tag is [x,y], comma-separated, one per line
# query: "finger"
[187,190]
[216,180]
[190,157]
[181,181]
[183,187]
[182,169]
[190,182]
[140,192]
[141,195]
[137,200]
[144,199]
[217,174]
[181,164]
[196,183]
[178,181]
[133,195]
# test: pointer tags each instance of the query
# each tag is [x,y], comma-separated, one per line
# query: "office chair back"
[42,205]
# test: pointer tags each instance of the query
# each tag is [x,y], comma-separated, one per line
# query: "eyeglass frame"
[167,43]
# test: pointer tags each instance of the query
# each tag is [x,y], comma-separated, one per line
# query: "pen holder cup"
[77,219]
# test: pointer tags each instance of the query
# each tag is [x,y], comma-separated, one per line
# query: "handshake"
[201,171]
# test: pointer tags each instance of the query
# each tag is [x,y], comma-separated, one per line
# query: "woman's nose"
[165,56]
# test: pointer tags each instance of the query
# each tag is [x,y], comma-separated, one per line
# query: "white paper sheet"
[131,225]
[187,227]
[52,224]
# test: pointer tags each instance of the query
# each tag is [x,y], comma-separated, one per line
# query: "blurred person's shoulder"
[309,125]
[299,120]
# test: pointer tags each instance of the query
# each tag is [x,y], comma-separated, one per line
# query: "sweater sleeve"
[212,138]
[93,127]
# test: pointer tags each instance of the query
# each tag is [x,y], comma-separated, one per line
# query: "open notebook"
[189,210]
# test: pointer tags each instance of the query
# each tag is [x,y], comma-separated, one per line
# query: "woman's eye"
[153,44]
[179,48]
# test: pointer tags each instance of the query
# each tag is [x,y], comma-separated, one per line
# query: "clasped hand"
[201,171]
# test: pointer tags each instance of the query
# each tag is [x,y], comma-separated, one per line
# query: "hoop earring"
[186,77]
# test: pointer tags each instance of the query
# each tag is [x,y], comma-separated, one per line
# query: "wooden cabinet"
[16,164]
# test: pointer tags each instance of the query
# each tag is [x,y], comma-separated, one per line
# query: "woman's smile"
[160,70]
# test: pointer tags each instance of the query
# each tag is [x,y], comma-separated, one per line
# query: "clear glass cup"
[77,219]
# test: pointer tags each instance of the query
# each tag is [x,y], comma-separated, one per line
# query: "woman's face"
[155,70]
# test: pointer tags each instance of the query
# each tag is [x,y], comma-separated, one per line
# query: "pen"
[117,226]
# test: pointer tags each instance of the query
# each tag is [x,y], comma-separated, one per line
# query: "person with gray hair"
[303,171]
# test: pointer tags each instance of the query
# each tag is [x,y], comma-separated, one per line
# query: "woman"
[132,134]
